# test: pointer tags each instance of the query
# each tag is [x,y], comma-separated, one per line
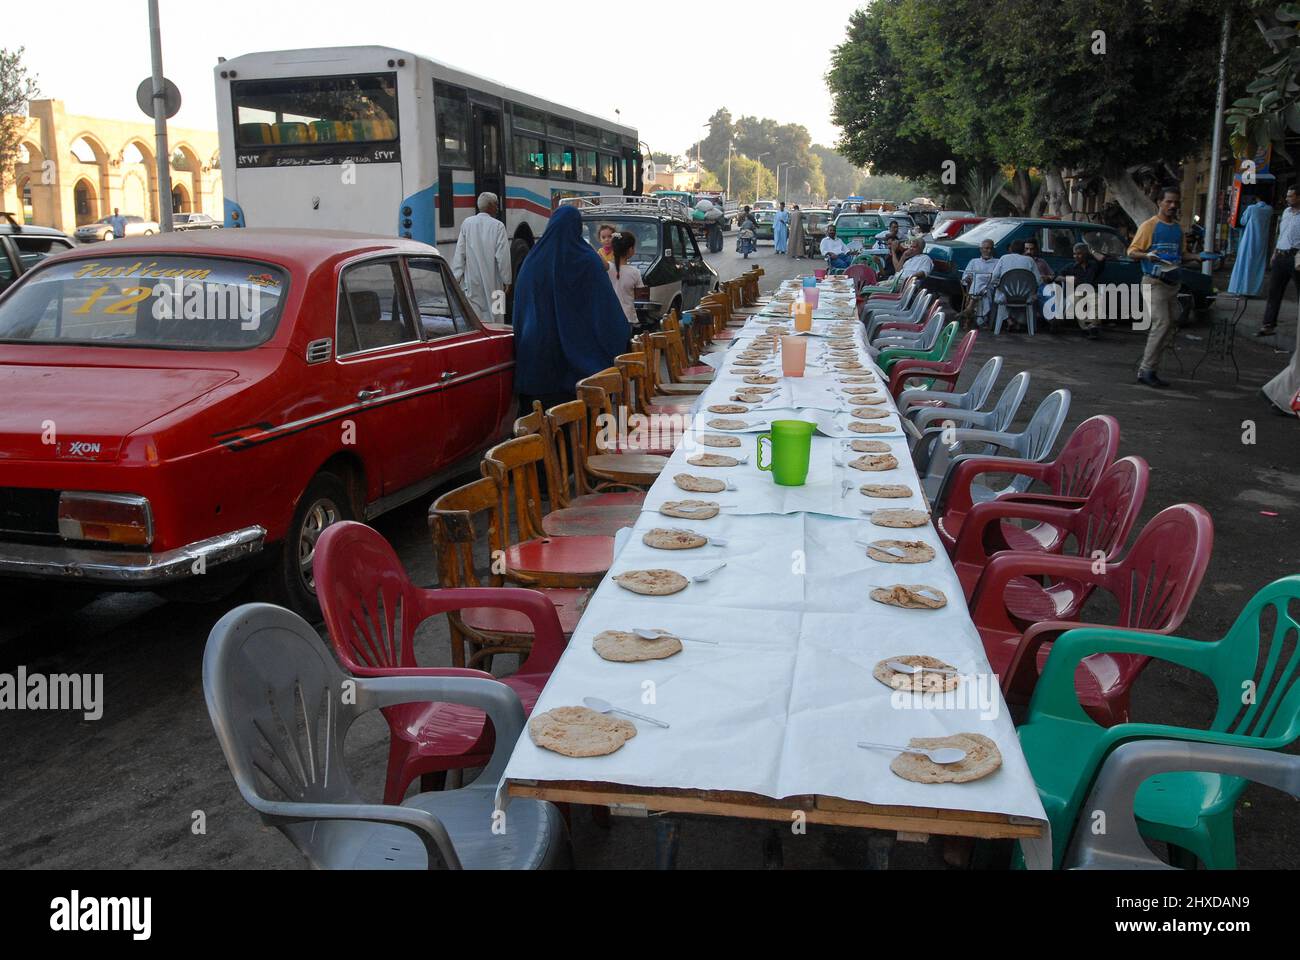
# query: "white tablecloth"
[778,706]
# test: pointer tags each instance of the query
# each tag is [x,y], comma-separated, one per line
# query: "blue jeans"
[842,262]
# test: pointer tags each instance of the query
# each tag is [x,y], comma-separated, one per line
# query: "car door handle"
[450,375]
[365,396]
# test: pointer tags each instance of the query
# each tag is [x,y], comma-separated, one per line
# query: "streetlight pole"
[731,148]
[778,177]
[162,153]
[758,178]
[1212,197]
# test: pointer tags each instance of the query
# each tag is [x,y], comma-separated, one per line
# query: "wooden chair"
[535,559]
[643,400]
[485,632]
[601,395]
[684,366]
[567,424]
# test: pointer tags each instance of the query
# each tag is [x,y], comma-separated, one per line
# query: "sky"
[648,60]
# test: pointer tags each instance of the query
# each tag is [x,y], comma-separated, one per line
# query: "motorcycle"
[747,242]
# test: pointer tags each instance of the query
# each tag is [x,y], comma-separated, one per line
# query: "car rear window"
[168,302]
[645,231]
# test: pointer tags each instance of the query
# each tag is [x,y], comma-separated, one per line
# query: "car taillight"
[106,518]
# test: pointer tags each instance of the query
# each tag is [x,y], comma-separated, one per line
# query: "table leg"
[773,855]
[667,833]
[880,846]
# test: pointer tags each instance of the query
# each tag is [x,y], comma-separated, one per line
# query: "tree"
[843,179]
[659,158]
[1271,104]
[17,87]
[778,144]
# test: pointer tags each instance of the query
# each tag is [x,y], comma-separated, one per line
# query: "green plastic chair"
[892,285]
[941,350]
[1258,706]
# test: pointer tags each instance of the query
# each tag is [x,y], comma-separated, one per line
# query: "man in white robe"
[482,260]
[977,279]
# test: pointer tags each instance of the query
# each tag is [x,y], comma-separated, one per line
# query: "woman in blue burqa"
[568,321]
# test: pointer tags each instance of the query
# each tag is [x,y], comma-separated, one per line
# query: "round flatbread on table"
[719,440]
[886,491]
[875,463]
[909,596]
[914,551]
[620,647]
[860,391]
[728,425]
[760,378]
[728,408]
[858,378]
[870,446]
[900,518]
[579,732]
[869,413]
[713,460]
[748,398]
[692,484]
[690,509]
[982,759]
[749,363]
[662,539]
[916,682]
[869,401]
[859,427]
[652,583]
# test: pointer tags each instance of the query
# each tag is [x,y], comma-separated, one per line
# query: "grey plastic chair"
[923,338]
[1035,444]
[1120,846]
[281,707]
[1020,288]
[913,402]
[998,419]
[902,311]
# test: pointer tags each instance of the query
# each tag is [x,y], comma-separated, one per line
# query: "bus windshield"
[316,110]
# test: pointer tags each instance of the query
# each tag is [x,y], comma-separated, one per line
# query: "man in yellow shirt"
[1158,243]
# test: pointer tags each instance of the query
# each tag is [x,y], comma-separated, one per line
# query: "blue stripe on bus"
[234,214]
[424,223]
[520,193]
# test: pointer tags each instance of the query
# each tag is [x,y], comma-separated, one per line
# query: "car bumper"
[111,568]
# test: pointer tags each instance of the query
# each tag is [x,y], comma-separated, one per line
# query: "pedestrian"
[118,223]
[796,247]
[481,263]
[1256,222]
[625,277]
[1282,270]
[781,230]
[520,245]
[568,321]
[1158,243]
[1283,391]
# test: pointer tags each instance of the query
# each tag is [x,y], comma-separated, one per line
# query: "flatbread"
[719,440]
[848,365]
[871,401]
[580,732]
[692,484]
[760,378]
[901,518]
[662,539]
[749,363]
[982,759]
[860,378]
[860,391]
[728,424]
[870,446]
[858,427]
[728,408]
[690,509]
[748,398]
[652,583]
[623,647]
[906,596]
[875,463]
[917,551]
[886,491]
[917,682]
[869,413]
[713,460]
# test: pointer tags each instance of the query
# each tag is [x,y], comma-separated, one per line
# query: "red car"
[181,406]
[954,227]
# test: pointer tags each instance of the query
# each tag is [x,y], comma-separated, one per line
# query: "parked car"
[861,226]
[1056,240]
[766,220]
[102,230]
[184,410]
[764,205]
[671,263]
[23,246]
[954,227]
[815,223]
[194,221]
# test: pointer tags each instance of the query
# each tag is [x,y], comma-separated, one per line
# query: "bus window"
[452,112]
[297,111]
[528,156]
[559,161]
[608,170]
[587,172]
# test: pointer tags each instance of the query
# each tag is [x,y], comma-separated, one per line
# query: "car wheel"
[107,237]
[148,233]
[289,581]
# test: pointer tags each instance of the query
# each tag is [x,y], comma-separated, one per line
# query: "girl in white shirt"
[625,277]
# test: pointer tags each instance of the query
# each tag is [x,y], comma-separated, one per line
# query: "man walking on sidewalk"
[1283,268]
[1158,243]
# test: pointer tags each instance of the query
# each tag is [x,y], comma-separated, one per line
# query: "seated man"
[835,250]
[977,279]
[1015,260]
[915,262]
[1044,269]
[1085,271]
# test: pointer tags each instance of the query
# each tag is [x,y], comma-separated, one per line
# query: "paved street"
[123,790]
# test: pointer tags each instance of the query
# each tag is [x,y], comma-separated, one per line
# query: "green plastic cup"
[791,450]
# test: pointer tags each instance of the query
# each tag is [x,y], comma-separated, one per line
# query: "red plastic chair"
[861,274]
[372,611]
[946,372]
[1154,586]
[1101,525]
[1071,477]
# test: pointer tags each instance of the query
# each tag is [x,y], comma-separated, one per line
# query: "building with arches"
[75,169]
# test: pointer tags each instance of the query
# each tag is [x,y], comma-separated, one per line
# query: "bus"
[379,140]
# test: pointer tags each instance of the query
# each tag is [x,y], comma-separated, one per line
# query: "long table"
[765,724]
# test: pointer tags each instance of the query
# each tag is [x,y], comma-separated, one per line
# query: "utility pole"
[758,177]
[161,152]
[1212,196]
[731,148]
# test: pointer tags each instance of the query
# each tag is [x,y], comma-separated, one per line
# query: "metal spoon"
[656,634]
[604,706]
[706,577]
[943,756]
[892,551]
[899,667]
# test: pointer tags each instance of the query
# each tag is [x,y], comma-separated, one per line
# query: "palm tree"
[982,191]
